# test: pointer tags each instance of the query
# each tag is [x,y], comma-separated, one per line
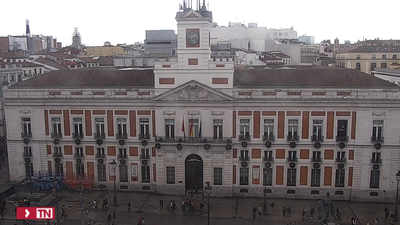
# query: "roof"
[105,61]
[88,60]
[23,64]
[90,78]
[12,55]
[374,49]
[307,76]
[49,62]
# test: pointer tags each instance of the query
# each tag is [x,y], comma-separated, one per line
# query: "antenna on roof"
[198,3]
[184,4]
[204,5]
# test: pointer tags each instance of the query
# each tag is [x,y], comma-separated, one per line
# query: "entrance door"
[193,173]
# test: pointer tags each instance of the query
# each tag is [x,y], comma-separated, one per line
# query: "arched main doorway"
[193,172]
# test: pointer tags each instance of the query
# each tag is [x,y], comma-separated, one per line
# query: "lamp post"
[397,196]
[55,182]
[208,192]
[265,193]
[114,167]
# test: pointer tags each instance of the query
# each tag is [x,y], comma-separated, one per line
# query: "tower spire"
[204,5]
[28,30]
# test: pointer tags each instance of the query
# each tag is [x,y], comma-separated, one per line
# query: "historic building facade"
[298,131]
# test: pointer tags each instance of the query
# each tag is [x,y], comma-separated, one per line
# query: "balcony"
[99,135]
[268,159]
[316,159]
[341,160]
[100,156]
[26,134]
[27,154]
[56,135]
[192,139]
[377,161]
[317,138]
[144,136]
[292,137]
[377,139]
[146,156]
[77,135]
[342,138]
[5,82]
[292,159]
[120,135]
[57,154]
[244,137]
[270,137]
[78,154]
[244,158]
[122,156]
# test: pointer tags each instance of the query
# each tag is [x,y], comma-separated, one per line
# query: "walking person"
[376,221]
[387,211]
[161,204]
[353,220]
[272,206]
[254,213]
[129,207]
[259,210]
[109,219]
[113,217]
[288,211]
[303,215]
[141,221]
[284,211]
[312,210]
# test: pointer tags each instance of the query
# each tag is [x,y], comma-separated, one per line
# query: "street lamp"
[397,195]
[55,182]
[265,192]
[114,167]
[208,192]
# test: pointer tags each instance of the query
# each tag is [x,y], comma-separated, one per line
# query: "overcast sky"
[125,21]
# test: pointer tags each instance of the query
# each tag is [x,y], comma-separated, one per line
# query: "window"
[373,56]
[244,155]
[80,169]
[316,156]
[58,169]
[339,179]
[123,173]
[377,131]
[78,128]
[292,130]
[100,153]
[341,131]
[144,128]
[101,172]
[26,127]
[292,156]
[383,65]
[373,66]
[57,152]
[27,151]
[383,56]
[374,179]
[145,153]
[267,179]
[122,153]
[394,56]
[170,129]
[269,130]
[291,177]
[170,175]
[268,156]
[340,156]
[244,129]
[315,177]
[358,66]
[28,169]
[217,176]
[218,129]
[145,174]
[193,128]
[317,131]
[78,152]
[121,129]
[99,127]
[244,176]
[376,157]
[56,128]
[358,56]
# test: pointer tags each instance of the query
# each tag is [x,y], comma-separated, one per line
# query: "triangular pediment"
[192,14]
[193,91]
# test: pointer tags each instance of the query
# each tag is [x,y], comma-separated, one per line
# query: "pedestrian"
[387,211]
[113,217]
[87,213]
[201,206]
[353,220]
[173,205]
[141,221]
[288,211]
[161,204]
[391,221]
[272,206]
[95,206]
[254,213]
[376,221]
[109,219]
[304,215]
[312,210]
[339,214]
[259,210]
[129,207]
[284,211]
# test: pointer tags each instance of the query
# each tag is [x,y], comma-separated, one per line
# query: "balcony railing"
[26,134]
[57,154]
[146,156]
[292,159]
[121,135]
[100,156]
[377,139]
[144,136]
[56,135]
[378,161]
[191,139]
[78,155]
[268,159]
[99,135]
[316,159]
[317,138]
[342,138]
[27,154]
[244,158]
[269,137]
[77,135]
[341,160]
[292,137]
[244,137]
[122,156]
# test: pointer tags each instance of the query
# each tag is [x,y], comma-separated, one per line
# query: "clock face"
[192,38]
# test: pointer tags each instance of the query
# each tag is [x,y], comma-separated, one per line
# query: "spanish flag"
[191,128]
